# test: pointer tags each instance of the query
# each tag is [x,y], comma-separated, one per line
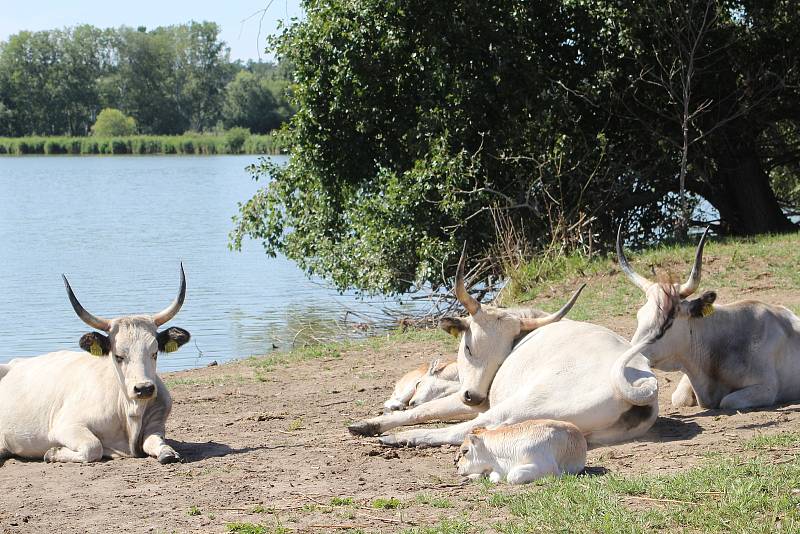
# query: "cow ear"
[703,306]
[95,343]
[172,338]
[474,440]
[453,325]
[433,367]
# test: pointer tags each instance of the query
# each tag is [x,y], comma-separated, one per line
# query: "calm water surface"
[118,227]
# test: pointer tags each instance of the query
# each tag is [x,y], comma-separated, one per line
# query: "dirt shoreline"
[271,447]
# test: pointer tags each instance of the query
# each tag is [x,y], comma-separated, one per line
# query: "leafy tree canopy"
[418,123]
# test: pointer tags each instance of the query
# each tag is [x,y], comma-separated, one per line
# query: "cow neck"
[696,364]
[131,412]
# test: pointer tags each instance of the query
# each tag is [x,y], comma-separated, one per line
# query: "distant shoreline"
[188,144]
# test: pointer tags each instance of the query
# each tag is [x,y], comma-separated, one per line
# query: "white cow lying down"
[80,407]
[427,382]
[523,452]
[568,371]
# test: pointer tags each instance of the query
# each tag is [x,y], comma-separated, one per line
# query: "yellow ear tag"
[707,310]
[171,346]
[454,331]
[95,349]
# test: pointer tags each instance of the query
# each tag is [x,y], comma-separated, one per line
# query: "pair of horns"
[105,325]
[529,323]
[686,289]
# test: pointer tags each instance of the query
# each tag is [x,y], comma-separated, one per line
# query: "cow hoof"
[364,428]
[50,455]
[168,457]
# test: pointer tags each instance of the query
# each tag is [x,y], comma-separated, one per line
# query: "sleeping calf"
[523,452]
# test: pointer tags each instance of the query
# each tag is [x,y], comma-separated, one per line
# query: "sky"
[242,37]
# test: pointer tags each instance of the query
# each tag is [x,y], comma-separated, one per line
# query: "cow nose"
[471,398]
[144,390]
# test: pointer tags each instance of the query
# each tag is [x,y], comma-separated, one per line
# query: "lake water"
[118,227]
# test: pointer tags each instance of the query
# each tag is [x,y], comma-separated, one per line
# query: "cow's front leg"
[78,444]
[154,446]
[749,397]
[435,437]
[446,409]
[684,393]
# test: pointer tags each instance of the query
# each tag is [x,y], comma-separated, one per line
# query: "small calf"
[523,452]
[406,388]
[440,380]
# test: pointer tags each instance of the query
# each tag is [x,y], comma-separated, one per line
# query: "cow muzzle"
[144,390]
[470,398]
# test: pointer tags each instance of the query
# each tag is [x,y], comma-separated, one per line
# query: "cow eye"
[466,347]
[155,355]
[119,358]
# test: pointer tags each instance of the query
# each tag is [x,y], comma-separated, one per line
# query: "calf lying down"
[427,382]
[523,452]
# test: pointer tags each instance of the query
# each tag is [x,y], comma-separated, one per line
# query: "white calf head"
[473,457]
[663,319]
[432,386]
[132,343]
[488,336]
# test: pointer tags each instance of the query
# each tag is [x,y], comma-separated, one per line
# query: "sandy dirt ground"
[271,447]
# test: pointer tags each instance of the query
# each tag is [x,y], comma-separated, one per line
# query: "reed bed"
[138,144]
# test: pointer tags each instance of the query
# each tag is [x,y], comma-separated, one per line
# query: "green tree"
[251,103]
[113,123]
[416,121]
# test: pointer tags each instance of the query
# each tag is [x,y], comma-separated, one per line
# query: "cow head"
[472,456]
[431,385]
[132,343]
[487,337]
[662,321]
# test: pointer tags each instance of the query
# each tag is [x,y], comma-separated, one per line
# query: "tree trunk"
[741,191]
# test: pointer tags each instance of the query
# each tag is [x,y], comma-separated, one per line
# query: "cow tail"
[642,394]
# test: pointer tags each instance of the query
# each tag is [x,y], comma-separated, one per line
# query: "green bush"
[236,138]
[113,123]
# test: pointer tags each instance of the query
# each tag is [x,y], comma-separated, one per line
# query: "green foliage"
[113,123]
[137,144]
[236,138]
[257,101]
[341,501]
[415,119]
[169,79]
[194,510]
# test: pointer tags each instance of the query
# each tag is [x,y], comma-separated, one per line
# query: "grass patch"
[194,510]
[784,440]
[341,501]
[430,500]
[251,528]
[726,495]
[386,504]
[734,264]
[448,526]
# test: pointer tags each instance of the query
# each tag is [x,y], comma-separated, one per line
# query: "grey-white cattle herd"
[527,389]
[522,365]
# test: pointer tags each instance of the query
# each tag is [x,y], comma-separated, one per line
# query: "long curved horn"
[640,281]
[93,321]
[528,324]
[468,301]
[164,316]
[691,285]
